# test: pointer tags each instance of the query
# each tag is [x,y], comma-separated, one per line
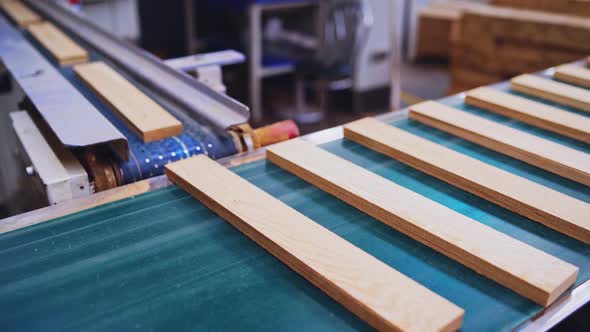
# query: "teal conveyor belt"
[162,261]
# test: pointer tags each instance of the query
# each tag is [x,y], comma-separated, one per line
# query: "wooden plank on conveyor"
[375,292]
[557,158]
[544,88]
[532,112]
[549,207]
[61,47]
[144,116]
[514,264]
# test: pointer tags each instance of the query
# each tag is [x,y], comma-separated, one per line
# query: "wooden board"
[535,113]
[559,159]
[19,13]
[573,74]
[516,265]
[532,200]
[558,92]
[383,297]
[144,116]
[61,47]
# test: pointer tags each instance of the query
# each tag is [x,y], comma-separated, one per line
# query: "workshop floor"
[420,81]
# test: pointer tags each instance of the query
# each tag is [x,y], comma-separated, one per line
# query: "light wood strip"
[144,116]
[383,297]
[535,113]
[573,74]
[559,159]
[19,13]
[61,47]
[532,200]
[516,265]
[547,89]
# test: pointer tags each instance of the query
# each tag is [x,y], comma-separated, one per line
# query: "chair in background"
[343,26]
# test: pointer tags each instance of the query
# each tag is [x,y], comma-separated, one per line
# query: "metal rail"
[73,119]
[220,111]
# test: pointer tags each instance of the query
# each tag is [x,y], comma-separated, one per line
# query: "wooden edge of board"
[577,75]
[20,13]
[385,298]
[532,112]
[65,50]
[567,218]
[565,161]
[547,89]
[94,74]
[517,269]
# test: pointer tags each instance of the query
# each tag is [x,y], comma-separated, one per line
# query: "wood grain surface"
[19,13]
[559,159]
[514,264]
[61,47]
[383,297]
[534,113]
[573,74]
[143,115]
[530,199]
[562,93]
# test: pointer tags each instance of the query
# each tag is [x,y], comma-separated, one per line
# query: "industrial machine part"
[171,84]
[142,237]
[107,152]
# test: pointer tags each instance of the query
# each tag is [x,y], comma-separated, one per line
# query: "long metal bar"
[220,111]
[73,119]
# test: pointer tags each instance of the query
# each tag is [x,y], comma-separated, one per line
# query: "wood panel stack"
[496,43]
[570,7]
[438,25]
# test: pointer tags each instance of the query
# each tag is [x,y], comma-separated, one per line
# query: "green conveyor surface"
[162,261]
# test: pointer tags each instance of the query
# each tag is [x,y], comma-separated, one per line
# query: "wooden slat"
[573,74]
[61,47]
[535,113]
[559,159]
[143,115]
[532,200]
[558,92]
[516,265]
[383,297]
[19,13]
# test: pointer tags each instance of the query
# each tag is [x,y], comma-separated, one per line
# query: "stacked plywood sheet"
[438,25]
[496,43]
[570,7]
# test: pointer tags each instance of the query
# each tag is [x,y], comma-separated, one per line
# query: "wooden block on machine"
[516,265]
[532,200]
[144,116]
[573,74]
[535,113]
[559,159]
[558,92]
[61,47]
[19,13]
[383,297]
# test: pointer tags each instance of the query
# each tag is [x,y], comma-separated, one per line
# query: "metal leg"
[300,104]
[397,10]
[255,59]
[189,12]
